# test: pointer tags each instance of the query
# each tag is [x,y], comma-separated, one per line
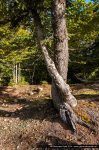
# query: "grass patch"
[87,92]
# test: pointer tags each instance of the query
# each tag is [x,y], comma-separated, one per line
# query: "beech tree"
[57,67]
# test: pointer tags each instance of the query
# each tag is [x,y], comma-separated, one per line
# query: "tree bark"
[14,76]
[16,73]
[61,54]
[19,72]
[61,93]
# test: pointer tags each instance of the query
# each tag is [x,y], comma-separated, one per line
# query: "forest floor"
[29,121]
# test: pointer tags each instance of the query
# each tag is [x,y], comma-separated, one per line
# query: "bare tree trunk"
[14,76]
[60,37]
[16,73]
[19,72]
[60,45]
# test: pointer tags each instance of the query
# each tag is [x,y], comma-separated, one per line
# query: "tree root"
[69,117]
[83,123]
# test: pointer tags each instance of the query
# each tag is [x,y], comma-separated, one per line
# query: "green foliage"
[83,31]
[83,25]
[43,82]
[21,82]
[19,45]
[15,46]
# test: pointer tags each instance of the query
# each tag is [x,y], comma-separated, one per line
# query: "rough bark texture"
[60,37]
[61,54]
[63,91]
[62,98]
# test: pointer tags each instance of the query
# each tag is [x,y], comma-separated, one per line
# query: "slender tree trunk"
[16,72]
[14,76]
[19,72]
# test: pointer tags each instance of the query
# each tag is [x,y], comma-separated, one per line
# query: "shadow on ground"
[56,143]
[91,86]
[38,109]
[90,97]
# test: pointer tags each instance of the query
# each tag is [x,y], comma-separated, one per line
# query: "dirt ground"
[29,121]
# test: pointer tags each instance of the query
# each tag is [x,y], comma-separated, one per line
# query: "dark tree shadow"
[54,142]
[94,86]
[37,109]
[88,97]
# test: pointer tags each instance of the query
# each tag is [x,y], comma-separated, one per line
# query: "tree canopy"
[18,38]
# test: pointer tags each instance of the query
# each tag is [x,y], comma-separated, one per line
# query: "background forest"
[21,62]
